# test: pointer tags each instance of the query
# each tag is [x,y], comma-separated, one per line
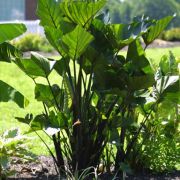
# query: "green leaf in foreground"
[155,30]
[81,13]
[36,66]
[7,51]
[8,93]
[11,31]
[77,42]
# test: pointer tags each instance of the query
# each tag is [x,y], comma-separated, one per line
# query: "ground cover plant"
[104,107]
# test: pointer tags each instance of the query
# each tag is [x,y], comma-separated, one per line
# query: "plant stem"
[53,93]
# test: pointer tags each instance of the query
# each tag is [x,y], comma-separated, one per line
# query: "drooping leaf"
[36,66]
[7,52]
[8,93]
[81,12]
[156,29]
[43,63]
[49,13]
[10,31]
[76,42]
[30,68]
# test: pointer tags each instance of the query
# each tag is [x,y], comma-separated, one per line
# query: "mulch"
[43,169]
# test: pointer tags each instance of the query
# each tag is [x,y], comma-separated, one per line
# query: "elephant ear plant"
[99,92]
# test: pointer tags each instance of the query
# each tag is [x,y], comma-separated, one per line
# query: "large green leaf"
[7,51]
[136,56]
[8,93]
[156,29]
[165,82]
[58,120]
[121,35]
[54,36]
[168,64]
[36,66]
[43,93]
[49,13]
[140,82]
[11,31]
[39,122]
[76,42]
[81,12]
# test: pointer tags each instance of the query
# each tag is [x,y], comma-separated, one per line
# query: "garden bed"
[44,169]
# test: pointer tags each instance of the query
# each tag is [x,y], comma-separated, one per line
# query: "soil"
[158,43]
[43,169]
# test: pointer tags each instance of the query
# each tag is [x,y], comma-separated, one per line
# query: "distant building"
[18,10]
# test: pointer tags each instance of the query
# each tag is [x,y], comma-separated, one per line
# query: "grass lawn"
[15,77]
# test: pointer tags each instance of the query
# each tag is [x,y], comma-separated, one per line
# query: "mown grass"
[14,76]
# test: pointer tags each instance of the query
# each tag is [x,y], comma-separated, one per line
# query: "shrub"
[12,144]
[33,42]
[171,35]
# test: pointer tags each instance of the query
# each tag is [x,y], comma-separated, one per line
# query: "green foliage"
[7,53]
[10,31]
[171,35]
[103,97]
[159,148]
[32,42]
[155,30]
[125,11]
[8,93]
[12,144]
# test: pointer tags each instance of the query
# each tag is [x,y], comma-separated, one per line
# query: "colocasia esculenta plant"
[102,97]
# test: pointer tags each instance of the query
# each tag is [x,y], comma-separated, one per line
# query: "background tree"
[124,11]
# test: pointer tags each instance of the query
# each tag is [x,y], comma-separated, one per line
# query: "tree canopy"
[124,11]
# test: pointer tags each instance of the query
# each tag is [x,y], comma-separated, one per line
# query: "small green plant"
[32,42]
[158,146]
[87,173]
[12,144]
